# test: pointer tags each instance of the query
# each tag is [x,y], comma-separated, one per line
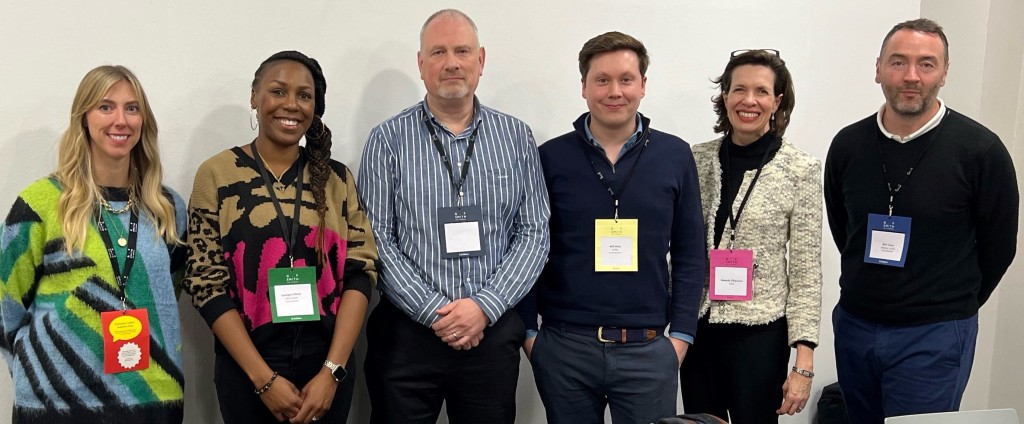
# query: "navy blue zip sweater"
[663,195]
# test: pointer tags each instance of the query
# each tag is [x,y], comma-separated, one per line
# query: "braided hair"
[318,138]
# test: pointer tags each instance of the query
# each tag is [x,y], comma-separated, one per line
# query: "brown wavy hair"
[783,85]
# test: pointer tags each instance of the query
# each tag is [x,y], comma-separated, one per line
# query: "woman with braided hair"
[281,257]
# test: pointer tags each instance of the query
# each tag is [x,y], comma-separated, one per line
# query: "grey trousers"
[578,376]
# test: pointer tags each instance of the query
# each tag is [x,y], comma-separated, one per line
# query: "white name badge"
[888,239]
[615,245]
[461,231]
[732,274]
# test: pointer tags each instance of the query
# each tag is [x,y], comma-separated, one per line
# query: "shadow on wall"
[197,351]
[380,100]
[35,147]
[387,93]
[219,130]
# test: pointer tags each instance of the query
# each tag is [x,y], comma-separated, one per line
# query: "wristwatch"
[337,371]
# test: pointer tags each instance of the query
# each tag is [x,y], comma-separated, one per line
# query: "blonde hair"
[80,196]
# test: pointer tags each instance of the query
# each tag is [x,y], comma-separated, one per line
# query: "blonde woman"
[89,313]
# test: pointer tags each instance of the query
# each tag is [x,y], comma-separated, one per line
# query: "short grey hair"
[449,13]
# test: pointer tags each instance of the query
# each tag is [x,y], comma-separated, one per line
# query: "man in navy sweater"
[623,196]
[922,202]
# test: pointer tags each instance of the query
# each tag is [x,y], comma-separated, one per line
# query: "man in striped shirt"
[457,201]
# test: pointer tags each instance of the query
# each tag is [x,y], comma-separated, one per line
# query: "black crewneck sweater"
[963,201]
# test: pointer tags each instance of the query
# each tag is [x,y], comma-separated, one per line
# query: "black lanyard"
[617,194]
[293,234]
[456,185]
[893,191]
[129,257]
[735,219]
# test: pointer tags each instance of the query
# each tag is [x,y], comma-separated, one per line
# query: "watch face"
[339,373]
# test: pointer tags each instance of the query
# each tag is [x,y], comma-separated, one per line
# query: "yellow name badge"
[615,244]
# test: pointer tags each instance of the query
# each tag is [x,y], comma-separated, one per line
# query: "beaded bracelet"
[803,372]
[259,391]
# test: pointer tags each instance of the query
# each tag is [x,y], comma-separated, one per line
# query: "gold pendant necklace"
[278,185]
[121,241]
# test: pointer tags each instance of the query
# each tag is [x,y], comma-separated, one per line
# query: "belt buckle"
[600,336]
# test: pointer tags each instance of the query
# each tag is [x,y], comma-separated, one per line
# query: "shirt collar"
[928,126]
[469,128]
[625,147]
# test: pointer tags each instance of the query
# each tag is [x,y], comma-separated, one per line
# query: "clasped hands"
[288,403]
[461,325]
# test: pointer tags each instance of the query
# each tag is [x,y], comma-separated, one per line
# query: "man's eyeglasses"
[772,52]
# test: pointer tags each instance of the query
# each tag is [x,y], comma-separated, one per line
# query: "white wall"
[196,59]
[986,82]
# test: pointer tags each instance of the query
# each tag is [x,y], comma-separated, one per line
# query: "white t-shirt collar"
[931,124]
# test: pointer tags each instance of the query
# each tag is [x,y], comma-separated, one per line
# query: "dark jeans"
[887,371]
[410,372]
[578,376]
[298,358]
[736,371]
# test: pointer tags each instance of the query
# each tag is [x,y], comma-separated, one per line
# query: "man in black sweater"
[922,203]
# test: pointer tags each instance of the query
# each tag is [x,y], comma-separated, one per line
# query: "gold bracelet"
[803,372]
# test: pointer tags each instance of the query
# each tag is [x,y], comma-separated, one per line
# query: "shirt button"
[467,280]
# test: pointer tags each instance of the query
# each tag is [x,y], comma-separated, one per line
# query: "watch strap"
[337,371]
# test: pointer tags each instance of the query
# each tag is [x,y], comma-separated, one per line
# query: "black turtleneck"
[736,160]
[115,194]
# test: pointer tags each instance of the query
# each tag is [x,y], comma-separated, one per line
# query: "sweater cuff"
[360,282]
[805,343]
[215,307]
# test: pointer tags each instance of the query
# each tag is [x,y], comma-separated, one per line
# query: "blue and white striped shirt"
[403,181]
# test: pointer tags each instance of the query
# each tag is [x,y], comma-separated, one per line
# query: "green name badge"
[293,295]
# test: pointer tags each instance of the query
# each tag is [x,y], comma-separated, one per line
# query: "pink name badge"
[732,274]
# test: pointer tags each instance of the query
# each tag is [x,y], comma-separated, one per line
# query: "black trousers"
[736,371]
[410,372]
[298,356]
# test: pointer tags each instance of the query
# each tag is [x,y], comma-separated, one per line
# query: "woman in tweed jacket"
[738,365]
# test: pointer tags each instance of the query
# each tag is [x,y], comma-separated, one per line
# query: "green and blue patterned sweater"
[50,306]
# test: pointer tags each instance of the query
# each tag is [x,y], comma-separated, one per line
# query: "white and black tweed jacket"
[782,220]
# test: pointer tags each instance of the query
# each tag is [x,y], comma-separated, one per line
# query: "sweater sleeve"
[835,205]
[206,272]
[803,303]
[178,252]
[996,207]
[688,251]
[360,269]
[23,246]
[21,252]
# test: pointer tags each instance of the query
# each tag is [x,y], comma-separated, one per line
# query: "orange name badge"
[125,340]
